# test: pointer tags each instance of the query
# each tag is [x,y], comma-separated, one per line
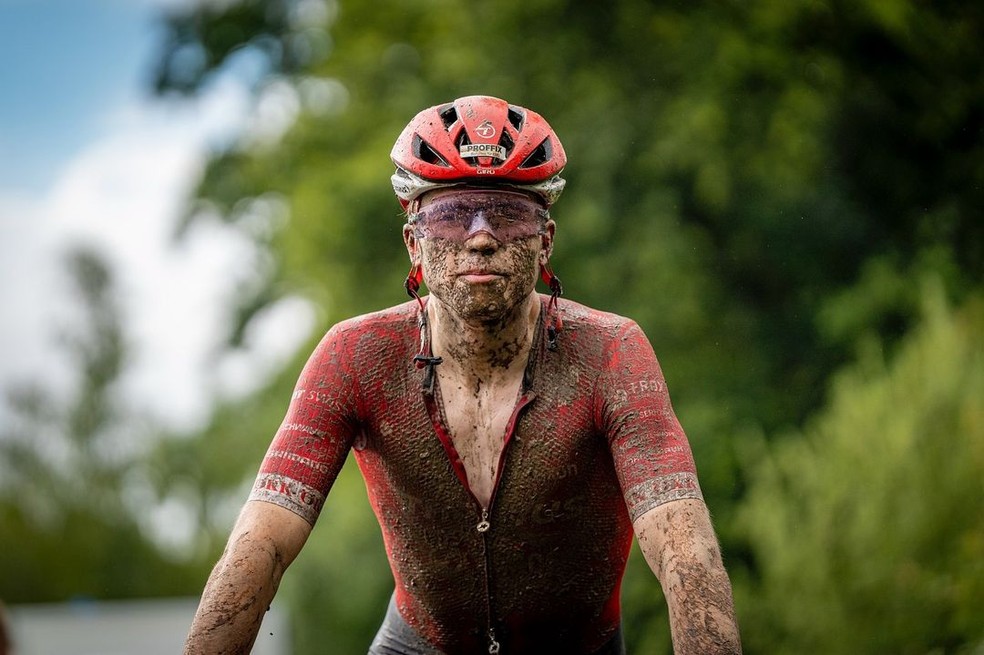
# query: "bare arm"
[679,544]
[263,543]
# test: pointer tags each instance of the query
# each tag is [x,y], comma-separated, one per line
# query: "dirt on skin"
[483,331]
[493,304]
[237,595]
[698,592]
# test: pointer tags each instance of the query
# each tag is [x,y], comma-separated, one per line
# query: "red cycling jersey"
[593,443]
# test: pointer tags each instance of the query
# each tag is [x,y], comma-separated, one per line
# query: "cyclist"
[512,443]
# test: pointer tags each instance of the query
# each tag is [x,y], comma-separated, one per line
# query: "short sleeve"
[649,448]
[312,443]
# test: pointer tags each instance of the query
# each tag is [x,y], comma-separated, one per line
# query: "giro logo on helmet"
[486,130]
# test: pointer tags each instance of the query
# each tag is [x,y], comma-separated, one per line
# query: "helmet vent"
[506,141]
[463,140]
[541,155]
[516,117]
[424,152]
[449,116]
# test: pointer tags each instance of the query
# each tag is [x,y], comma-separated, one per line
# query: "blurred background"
[786,196]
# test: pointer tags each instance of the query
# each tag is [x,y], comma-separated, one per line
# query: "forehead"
[479,194]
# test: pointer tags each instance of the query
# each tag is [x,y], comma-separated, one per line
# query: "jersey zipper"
[484,526]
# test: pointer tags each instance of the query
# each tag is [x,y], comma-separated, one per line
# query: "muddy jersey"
[592,444]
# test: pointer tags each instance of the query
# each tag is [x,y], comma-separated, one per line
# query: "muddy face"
[485,277]
[481,281]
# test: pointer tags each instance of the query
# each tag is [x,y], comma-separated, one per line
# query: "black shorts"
[395,637]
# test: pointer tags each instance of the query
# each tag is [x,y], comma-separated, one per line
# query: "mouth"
[479,276]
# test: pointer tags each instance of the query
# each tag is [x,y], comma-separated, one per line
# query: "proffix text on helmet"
[481,141]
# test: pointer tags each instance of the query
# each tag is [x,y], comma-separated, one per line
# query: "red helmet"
[481,141]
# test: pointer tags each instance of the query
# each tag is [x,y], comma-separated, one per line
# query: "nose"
[480,224]
[481,238]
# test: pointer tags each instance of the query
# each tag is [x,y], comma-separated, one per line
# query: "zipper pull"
[483,526]
[493,644]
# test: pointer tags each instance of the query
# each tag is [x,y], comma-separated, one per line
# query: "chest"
[427,456]
[477,418]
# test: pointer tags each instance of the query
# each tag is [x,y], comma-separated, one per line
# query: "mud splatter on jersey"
[594,445]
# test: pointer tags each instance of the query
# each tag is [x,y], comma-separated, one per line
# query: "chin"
[483,312]
[482,305]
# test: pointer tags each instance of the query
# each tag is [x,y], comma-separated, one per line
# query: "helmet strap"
[412,283]
[425,356]
[554,324]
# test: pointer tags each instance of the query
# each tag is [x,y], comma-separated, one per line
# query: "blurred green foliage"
[764,187]
[868,526]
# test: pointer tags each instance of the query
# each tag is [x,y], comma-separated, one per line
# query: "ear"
[413,246]
[547,240]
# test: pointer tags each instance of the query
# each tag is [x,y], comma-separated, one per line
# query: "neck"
[483,349]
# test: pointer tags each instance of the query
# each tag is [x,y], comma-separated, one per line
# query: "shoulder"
[371,336]
[397,317]
[578,317]
[599,333]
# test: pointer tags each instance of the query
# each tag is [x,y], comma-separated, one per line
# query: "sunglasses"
[505,215]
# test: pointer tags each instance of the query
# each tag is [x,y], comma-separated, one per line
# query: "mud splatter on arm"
[242,585]
[679,544]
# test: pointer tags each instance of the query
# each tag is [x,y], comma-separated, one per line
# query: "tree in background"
[868,528]
[762,186]
[69,466]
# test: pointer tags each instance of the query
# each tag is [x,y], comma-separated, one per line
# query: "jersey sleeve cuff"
[649,494]
[302,499]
